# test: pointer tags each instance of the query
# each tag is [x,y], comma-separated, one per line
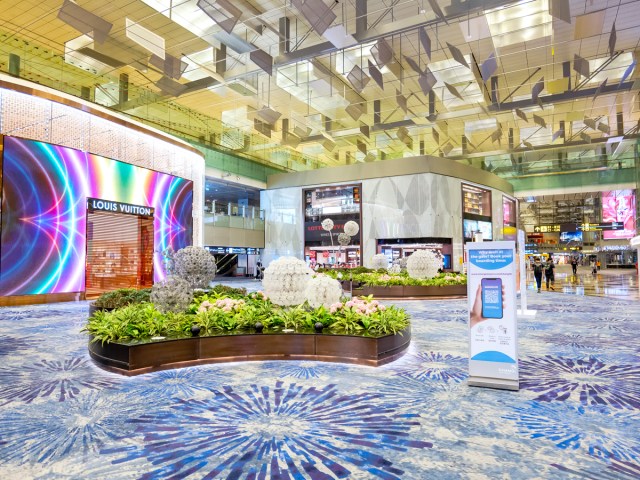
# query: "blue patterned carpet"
[577,414]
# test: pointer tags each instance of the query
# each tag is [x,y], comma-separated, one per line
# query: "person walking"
[537,272]
[593,267]
[549,273]
[574,265]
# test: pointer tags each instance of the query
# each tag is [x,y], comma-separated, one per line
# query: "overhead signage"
[237,250]
[546,228]
[595,227]
[96,204]
[493,332]
[219,250]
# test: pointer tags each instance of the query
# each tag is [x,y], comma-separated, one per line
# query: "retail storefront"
[90,199]
[74,222]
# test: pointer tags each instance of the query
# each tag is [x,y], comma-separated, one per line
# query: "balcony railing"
[232,215]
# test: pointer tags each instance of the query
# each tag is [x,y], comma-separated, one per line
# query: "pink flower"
[382,308]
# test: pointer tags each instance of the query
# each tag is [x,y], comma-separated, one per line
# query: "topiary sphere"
[195,265]
[424,264]
[174,294]
[323,290]
[351,228]
[285,281]
[379,261]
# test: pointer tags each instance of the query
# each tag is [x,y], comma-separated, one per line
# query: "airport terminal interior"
[460,177]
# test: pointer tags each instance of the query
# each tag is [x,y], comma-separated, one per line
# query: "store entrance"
[119,252]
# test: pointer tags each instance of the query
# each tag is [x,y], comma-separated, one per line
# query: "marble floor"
[577,414]
[612,283]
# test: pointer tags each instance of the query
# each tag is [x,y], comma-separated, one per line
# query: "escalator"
[226,264]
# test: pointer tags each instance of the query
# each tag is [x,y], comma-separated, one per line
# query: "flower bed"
[234,316]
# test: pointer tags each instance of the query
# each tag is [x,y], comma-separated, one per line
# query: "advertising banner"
[493,333]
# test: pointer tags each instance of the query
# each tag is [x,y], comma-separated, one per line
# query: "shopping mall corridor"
[613,283]
[577,414]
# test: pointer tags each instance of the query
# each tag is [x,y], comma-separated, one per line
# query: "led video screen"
[619,206]
[44,202]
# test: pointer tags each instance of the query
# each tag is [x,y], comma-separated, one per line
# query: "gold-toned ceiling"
[309,87]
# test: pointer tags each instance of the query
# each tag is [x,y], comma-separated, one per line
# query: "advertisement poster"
[493,334]
[619,206]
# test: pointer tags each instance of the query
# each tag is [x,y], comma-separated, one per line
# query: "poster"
[493,334]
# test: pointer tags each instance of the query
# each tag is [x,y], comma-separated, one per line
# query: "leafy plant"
[122,297]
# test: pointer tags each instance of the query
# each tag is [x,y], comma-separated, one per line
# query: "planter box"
[413,291]
[166,354]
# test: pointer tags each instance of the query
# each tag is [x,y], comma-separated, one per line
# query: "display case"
[476,201]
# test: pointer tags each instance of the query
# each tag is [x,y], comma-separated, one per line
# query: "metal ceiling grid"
[525,52]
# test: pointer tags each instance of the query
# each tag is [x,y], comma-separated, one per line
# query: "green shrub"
[122,297]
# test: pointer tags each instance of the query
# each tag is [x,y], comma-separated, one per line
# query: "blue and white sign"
[493,332]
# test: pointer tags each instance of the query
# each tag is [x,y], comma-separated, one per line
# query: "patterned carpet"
[577,414]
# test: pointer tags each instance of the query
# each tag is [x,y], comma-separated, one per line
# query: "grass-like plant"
[122,297]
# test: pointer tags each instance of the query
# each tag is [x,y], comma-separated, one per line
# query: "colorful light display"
[44,201]
[619,206]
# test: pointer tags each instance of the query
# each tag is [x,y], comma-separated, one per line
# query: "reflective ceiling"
[517,88]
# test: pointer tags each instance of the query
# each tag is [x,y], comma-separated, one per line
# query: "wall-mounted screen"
[567,237]
[470,227]
[486,229]
[446,262]
[44,204]
[476,201]
[619,206]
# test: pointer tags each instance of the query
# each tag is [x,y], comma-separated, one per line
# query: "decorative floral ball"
[285,281]
[323,290]
[195,265]
[351,228]
[327,224]
[344,239]
[424,264]
[174,294]
[394,269]
[379,261]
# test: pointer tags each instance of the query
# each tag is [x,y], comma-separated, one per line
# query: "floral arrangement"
[327,224]
[379,261]
[225,304]
[394,269]
[285,281]
[174,294]
[195,265]
[424,264]
[351,228]
[344,239]
[323,290]
[361,305]
[401,262]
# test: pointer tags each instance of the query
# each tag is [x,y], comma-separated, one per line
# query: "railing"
[232,215]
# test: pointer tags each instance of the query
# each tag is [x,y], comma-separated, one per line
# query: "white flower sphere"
[344,239]
[424,264]
[323,290]
[285,281]
[327,224]
[394,269]
[379,261]
[351,228]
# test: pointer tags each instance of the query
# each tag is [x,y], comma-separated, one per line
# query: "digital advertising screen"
[469,227]
[567,237]
[44,204]
[486,229]
[619,206]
